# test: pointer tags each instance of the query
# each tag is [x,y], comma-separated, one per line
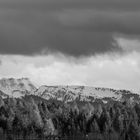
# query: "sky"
[71,42]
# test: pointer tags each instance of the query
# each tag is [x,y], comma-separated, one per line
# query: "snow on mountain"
[82,93]
[19,87]
[16,87]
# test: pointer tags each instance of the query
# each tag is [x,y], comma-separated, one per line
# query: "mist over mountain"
[82,60]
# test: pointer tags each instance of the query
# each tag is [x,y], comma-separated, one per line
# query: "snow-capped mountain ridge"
[16,87]
[82,93]
[19,87]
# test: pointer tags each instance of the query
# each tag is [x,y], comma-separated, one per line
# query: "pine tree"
[134,131]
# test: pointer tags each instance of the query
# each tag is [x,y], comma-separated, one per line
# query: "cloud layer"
[72,27]
[83,42]
[113,71]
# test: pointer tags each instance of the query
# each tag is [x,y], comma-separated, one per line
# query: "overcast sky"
[76,42]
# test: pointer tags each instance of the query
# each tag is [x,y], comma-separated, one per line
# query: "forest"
[32,117]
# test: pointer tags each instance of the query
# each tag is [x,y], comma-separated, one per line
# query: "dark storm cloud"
[73,27]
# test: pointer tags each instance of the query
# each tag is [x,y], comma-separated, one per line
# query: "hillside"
[16,87]
[83,93]
[20,87]
[65,111]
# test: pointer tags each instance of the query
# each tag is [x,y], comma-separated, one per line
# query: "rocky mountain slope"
[84,93]
[20,87]
[16,87]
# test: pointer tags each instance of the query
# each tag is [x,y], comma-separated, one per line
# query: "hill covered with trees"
[32,116]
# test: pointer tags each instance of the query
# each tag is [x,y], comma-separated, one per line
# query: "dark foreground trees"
[33,117]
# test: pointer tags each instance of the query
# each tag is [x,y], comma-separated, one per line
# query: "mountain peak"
[12,86]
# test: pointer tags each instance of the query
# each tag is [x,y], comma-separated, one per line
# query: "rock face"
[84,93]
[19,87]
[16,87]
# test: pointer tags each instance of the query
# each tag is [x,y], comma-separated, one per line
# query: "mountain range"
[17,88]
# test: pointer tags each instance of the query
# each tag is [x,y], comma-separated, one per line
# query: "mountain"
[3,95]
[19,87]
[85,93]
[16,87]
